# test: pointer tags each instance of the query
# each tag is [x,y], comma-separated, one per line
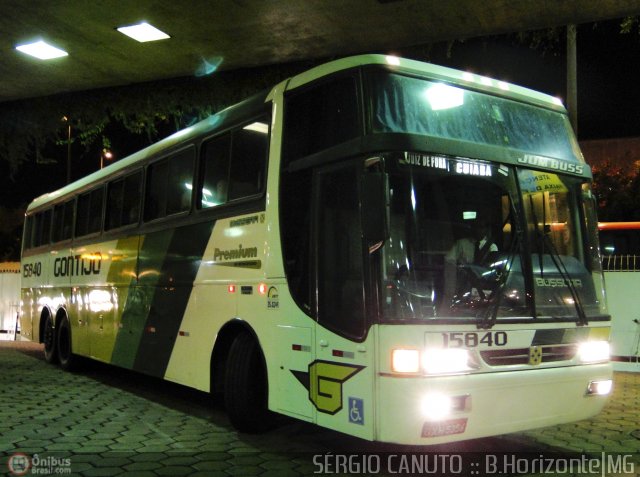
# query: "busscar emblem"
[535,355]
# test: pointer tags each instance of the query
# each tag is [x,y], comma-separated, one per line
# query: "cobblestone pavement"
[105,421]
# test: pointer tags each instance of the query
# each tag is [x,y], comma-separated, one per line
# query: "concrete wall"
[624,306]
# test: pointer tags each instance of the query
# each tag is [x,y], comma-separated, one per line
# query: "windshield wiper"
[566,276]
[488,317]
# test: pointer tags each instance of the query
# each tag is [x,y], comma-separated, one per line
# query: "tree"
[618,193]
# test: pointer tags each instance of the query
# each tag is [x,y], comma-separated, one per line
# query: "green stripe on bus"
[175,281]
[153,251]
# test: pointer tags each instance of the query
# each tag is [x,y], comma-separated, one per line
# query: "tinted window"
[248,158]
[123,201]
[339,261]
[42,228]
[402,104]
[89,213]
[169,186]
[321,117]
[62,221]
[215,176]
[234,164]
[28,231]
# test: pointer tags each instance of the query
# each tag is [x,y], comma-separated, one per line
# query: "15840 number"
[473,340]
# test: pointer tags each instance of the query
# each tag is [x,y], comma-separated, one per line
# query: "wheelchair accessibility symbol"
[356,411]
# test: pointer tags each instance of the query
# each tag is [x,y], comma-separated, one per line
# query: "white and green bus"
[305,252]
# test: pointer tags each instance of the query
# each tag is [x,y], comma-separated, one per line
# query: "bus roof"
[219,120]
[464,79]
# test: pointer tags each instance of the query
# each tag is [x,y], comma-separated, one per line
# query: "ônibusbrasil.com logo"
[20,464]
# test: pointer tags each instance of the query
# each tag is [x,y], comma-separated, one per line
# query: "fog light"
[436,406]
[599,388]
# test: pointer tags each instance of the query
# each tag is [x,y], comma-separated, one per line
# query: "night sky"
[608,74]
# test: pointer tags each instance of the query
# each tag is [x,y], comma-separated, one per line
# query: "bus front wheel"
[246,386]
[49,340]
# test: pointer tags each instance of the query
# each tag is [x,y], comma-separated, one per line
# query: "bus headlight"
[594,351]
[405,361]
[446,360]
[431,361]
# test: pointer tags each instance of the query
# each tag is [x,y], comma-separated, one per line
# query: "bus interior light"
[442,96]
[405,360]
[594,351]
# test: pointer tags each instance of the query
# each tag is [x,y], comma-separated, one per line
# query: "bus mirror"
[374,209]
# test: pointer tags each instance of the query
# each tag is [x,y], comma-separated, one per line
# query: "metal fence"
[621,263]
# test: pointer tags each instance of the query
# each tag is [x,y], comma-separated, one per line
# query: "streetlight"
[68,121]
[105,155]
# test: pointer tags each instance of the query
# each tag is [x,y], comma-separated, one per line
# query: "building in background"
[9,299]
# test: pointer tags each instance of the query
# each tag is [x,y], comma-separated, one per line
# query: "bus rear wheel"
[246,386]
[49,340]
[66,358]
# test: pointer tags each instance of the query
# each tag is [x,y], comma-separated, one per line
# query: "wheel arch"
[61,313]
[220,353]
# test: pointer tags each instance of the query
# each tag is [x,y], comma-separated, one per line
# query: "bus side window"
[155,203]
[215,173]
[169,186]
[180,185]
[45,237]
[28,232]
[321,117]
[58,219]
[62,221]
[89,216]
[248,159]
[123,201]
[41,234]
[67,222]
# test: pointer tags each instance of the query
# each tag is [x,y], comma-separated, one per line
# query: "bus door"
[342,374]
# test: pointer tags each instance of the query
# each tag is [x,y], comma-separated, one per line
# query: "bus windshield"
[404,104]
[458,233]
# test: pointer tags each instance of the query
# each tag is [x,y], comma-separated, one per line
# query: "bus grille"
[506,357]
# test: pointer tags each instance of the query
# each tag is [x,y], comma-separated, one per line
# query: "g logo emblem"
[324,382]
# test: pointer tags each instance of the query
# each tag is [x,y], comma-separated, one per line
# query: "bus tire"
[66,358]
[246,386]
[49,340]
